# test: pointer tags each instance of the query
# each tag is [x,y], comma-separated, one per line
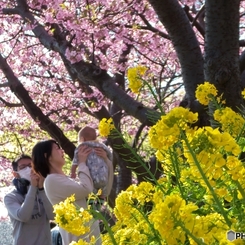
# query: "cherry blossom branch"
[10,105]
[89,74]
[35,112]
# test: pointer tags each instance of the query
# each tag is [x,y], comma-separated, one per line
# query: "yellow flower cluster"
[82,242]
[203,201]
[134,77]
[131,226]
[167,130]
[174,219]
[72,219]
[205,92]
[106,126]
[212,141]
[230,121]
[142,193]
[157,219]
[197,157]
[217,153]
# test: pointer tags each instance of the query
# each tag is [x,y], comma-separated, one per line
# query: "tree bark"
[222,50]
[176,22]
[186,45]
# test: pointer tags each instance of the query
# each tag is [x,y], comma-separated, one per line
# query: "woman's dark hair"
[40,155]
[15,162]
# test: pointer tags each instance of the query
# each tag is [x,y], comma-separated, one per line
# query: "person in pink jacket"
[48,160]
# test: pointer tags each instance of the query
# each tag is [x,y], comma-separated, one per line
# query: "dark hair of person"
[40,155]
[16,161]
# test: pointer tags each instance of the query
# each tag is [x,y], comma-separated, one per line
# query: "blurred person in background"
[28,207]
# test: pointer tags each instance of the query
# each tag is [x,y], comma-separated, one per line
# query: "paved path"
[5,233]
[5,226]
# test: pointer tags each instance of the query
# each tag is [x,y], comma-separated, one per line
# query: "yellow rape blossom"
[205,92]
[166,215]
[70,218]
[200,204]
[230,121]
[167,130]
[106,126]
[134,77]
[82,242]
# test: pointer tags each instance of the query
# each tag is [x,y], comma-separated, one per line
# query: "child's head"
[86,134]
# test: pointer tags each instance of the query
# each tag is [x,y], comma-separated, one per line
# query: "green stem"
[215,103]
[228,222]
[240,189]
[198,241]
[240,133]
[99,216]
[155,232]
[136,157]
[154,95]
[237,183]
[174,161]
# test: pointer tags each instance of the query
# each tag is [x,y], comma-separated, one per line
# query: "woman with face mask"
[28,206]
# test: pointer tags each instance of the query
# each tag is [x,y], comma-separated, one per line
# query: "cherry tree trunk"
[221,65]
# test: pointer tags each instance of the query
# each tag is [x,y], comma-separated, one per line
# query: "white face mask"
[25,173]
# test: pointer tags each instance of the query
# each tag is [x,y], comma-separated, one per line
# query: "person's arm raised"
[23,211]
[46,203]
